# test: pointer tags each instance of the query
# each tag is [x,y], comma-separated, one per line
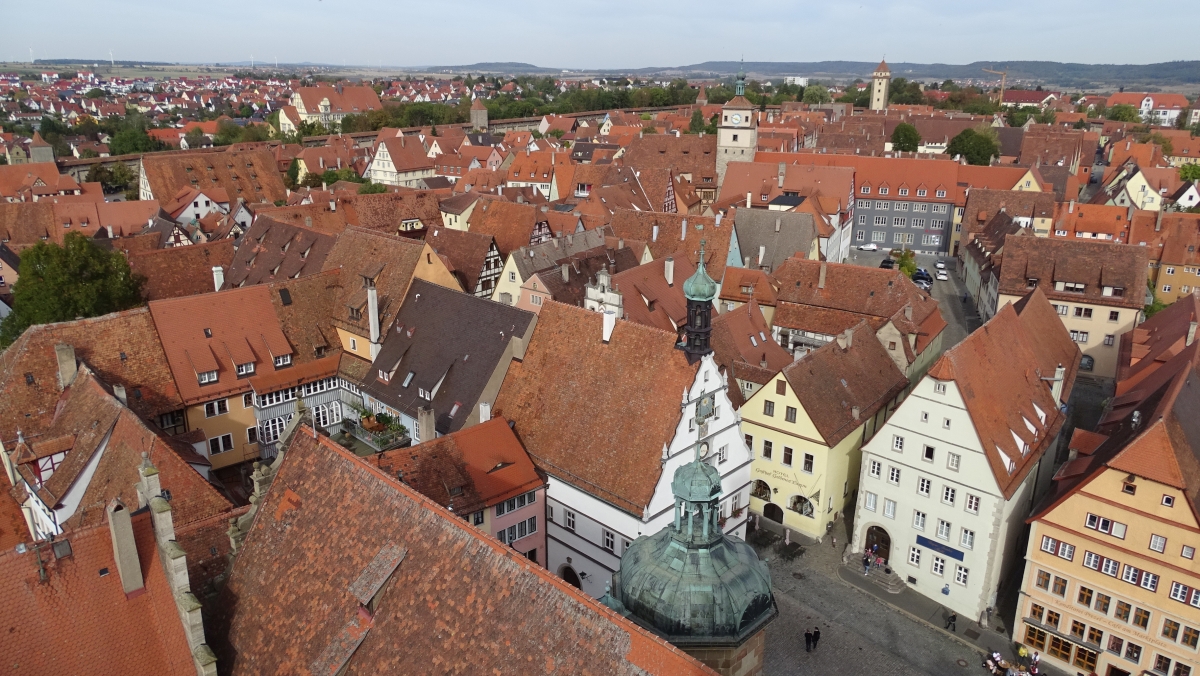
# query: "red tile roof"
[182,270]
[576,424]
[293,602]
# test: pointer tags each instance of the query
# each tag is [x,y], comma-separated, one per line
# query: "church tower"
[737,135]
[479,115]
[700,290]
[881,80]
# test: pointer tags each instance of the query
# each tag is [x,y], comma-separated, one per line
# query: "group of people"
[871,558]
[811,636]
[998,666]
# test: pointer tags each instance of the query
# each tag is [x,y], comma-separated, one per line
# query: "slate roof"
[78,620]
[182,270]
[271,250]
[249,174]
[530,259]
[998,370]
[575,423]
[777,235]
[292,603]
[484,463]
[122,348]
[1096,264]
[452,343]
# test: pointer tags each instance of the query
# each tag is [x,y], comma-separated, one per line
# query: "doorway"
[570,577]
[773,512]
[880,537]
[1113,671]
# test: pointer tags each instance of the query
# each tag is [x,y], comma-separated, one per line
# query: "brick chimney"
[120,526]
[66,365]
[821,278]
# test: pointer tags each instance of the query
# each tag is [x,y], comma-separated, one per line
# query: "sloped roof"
[123,348]
[530,259]
[854,371]
[678,235]
[386,212]
[251,175]
[777,235]
[452,343]
[743,335]
[575,422]
[648,299]
[305,307]
[465,250]
[78,620]
[510,223]
[389,259]
[998,370]
[271,250]
[290,603]
[181,270]
[1095,264]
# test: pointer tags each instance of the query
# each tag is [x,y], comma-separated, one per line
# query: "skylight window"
[407,379]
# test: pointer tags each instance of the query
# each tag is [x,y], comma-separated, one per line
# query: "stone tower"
[40,150]
[881,80]
[705,592]
[700,290]
[737,135]
[479,115]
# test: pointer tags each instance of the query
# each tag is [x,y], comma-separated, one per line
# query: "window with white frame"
[207,377]
[609,540]
[919,519]
[272,428]
[878,236]
[880,220]
[972,504]
[1158,543]
[722,454]
[1107,526]
[517,531]
[569,519]
[967,541]
[220,444]
[518,502]
[939,388]
[1110,567]
[874,469]
[1131,575]
[923,485]
[960,574]
[948,495]
[899,221]
[914,556]
[869,501]
[939,566]
[245,369]
[283,360]
[861,234]
[897,443]
[883,205]
[952,461]
[889,508]
[215,408]
[1188,552]
[1091,560]
[894,475]
[943,529]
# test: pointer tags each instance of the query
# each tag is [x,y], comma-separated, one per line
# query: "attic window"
[123,357]
[208,377]
[208,333]
[457,490]
[283,360]
[28,378]
[1128,488]
[1031,283]
[383,375]
[407,379]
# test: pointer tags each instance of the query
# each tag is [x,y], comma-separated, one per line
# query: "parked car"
[923,285]
[887,263]
[868,247]
[942,276]
[922,275]
[940,265]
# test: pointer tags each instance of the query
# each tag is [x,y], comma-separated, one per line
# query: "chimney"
[718,223]
[520,198]
[1071,207]
[218,274]
[321,162]
[762,253]
[908,312]
[746,262]
[120,526]
[566,273]
[66,365]
[1129,216]
[485,411]
[610,323]
[373,317]
[654,234]
[777,224]
[747,199]
[332,204]
[669,270]
[110,231]
[821,278]
[1158,221]
[1191,334]
[119,393]
[426,431]
[1057,386]
[845,340]
[854,411]
[683,230]
[782,172]
[621,243]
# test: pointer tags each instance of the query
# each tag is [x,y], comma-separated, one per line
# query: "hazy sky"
[577,35]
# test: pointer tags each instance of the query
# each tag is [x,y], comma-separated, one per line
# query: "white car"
[869,247]
[940,265]
[942,276]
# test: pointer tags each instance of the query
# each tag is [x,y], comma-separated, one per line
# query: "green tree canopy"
[1123,112]
[62,283]
[1190,172]
[697,123]
[906,138]
[370,188]
[815,93]
[132,140]
[977,147]
[195,138]
[95,93]
[907,262]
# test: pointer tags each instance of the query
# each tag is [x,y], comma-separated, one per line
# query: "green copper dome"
[700,286]
[690,582]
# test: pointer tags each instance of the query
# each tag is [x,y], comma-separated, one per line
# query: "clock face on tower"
[737,119]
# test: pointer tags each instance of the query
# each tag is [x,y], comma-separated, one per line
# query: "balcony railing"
[380,441]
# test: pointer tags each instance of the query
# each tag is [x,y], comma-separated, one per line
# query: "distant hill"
[491,67]
[101,62]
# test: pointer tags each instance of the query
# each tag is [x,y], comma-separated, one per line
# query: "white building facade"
[586,534]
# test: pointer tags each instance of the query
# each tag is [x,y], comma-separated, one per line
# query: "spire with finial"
[739,89]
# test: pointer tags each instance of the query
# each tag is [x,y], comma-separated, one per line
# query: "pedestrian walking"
[835,543]
[808,641]
[950,622]
[816,634]
[866,564]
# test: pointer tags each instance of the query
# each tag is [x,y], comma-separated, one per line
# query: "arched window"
[759,489]
[801,505]
[1087,363]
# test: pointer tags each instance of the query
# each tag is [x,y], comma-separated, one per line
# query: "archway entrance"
[879,536]
[569,576]
[773,512]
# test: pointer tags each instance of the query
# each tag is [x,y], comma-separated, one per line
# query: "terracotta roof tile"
[289,595]
[250,175]
[1094,264]
[678,235]
[271,250]
[182,270]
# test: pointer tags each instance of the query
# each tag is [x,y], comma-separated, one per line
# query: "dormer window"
[921,192]
[355,314]
[1072,287]
[883,191]
[283,360]
[384,376]
[1031,283]
[208,377]
[866,190]
[246,369]
[903,192]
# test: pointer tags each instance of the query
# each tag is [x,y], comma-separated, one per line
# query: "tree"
[1163,142]
[1123,112]
[369,188]
[62,283]
[978,148]
[293,174]
[1047,116]
[1080,124]
[195,138]
[907,262]
[132,140]
[95,93]
[697,123]
[906,138]
[1156,305]
[815,93]
[1189,172]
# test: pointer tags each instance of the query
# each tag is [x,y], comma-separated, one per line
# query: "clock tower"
[737,135]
